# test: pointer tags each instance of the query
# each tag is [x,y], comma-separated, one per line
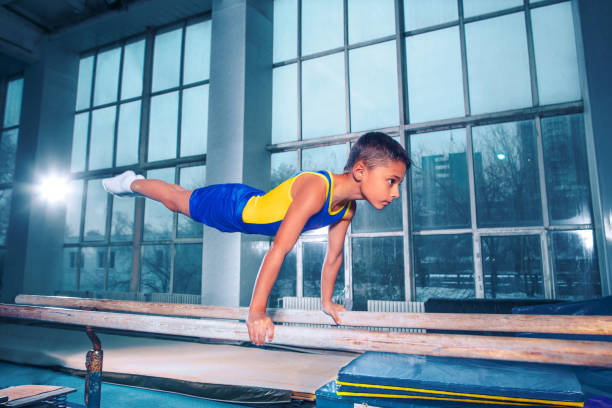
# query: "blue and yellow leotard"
[240,208]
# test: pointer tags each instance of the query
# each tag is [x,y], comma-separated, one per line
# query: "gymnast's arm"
[332,263]
[309,194]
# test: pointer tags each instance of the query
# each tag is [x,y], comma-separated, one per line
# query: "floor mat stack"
[403,381]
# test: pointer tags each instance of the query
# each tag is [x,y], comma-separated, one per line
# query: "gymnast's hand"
[260,324]
[333,309]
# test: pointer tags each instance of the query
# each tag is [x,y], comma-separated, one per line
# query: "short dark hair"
[376,149]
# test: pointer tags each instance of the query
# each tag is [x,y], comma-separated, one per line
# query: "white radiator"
[176,298]
[394,306]
[302,303]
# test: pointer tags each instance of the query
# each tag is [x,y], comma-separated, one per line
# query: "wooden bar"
[585,353]
[597,325]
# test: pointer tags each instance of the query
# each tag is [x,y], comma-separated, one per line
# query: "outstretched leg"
[173,196]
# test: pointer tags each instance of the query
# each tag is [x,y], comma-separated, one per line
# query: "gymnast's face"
[380,184]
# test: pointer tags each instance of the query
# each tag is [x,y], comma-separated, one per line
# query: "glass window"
[155,269]
[475,7]
[314,255]
[95,211]
[565,164]
[369,219]
[128,133]
[102,138]
[419,14]
[79,142]
[194,121]
[8,154]
[122,227]
[286,282]
[435,81]
[92,270]
[197,52]
[163,126]
[284,104]
[322,25]
[69,268]
[158,220]
[555,53]
[443,267]
[187,260]
[191,178]
[283,165]
[5,211]
[368,20]
[107,76]
[323,99]
[285,30]
[12,108]
[439,176]
[74,202]
[84,83]
[133,65]
[378,270]
[373,87]
[512,267]
[119,269]
[575,265]
[330,158]
[498,64]
[167,60]
[506,175]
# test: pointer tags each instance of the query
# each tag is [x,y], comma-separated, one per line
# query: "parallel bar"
[586,353]
[595,325]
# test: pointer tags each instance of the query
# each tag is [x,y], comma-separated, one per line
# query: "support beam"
[593,325]
[583,353]
[19,38]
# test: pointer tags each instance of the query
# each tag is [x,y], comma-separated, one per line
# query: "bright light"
[54,189]
[501,156]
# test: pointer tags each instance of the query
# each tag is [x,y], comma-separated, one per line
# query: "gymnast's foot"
[120,184]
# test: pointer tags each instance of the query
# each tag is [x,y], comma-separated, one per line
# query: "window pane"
[475,7]
[162,127]
[74,202]
[378,270]
[69,269]
[555,53]
[197,52]
[5,212]
[84,84]
[443,267]
[565,164]
[122,227]
[373,87]
[158,219]
[419,14]
[132,77]
[128,133]
[155,269]
[285,30]
[439,176]
[120,269]
[191,178]
[102,138]
[506,175]
[95,211]
[283,165]
[12,108]
[498,64]
[285,284]
[79,142]
[575,265]
[368,19]
[8,154]
[435,81]
[92,270]
[314,255]
[107,76]
[322,25]
[2,258]
[512,267]
[188,269]
[167,60]
[323,100]
[369,219]
[194,121]
[330,158]
[284,104]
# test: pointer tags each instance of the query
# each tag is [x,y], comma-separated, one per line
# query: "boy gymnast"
[308,200]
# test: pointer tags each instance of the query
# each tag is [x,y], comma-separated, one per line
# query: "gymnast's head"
[375,149]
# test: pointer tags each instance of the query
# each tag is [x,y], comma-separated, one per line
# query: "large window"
[485,96]
[141,105]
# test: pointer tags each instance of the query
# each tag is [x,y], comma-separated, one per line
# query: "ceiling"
[83,24]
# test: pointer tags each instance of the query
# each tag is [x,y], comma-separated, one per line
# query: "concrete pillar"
[240,106]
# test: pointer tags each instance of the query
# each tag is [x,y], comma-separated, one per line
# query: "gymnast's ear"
[358,171]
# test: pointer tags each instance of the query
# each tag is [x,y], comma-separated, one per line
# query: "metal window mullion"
[476,243]
[118,106]
[3,97]
[299,76]
[547,262]
[299,283]
[464,67]
[348,257]
[347,81]
[530,49]
[171,272]
[180,92]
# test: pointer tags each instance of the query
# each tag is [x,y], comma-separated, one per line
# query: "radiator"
[176,298]
[396,307]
